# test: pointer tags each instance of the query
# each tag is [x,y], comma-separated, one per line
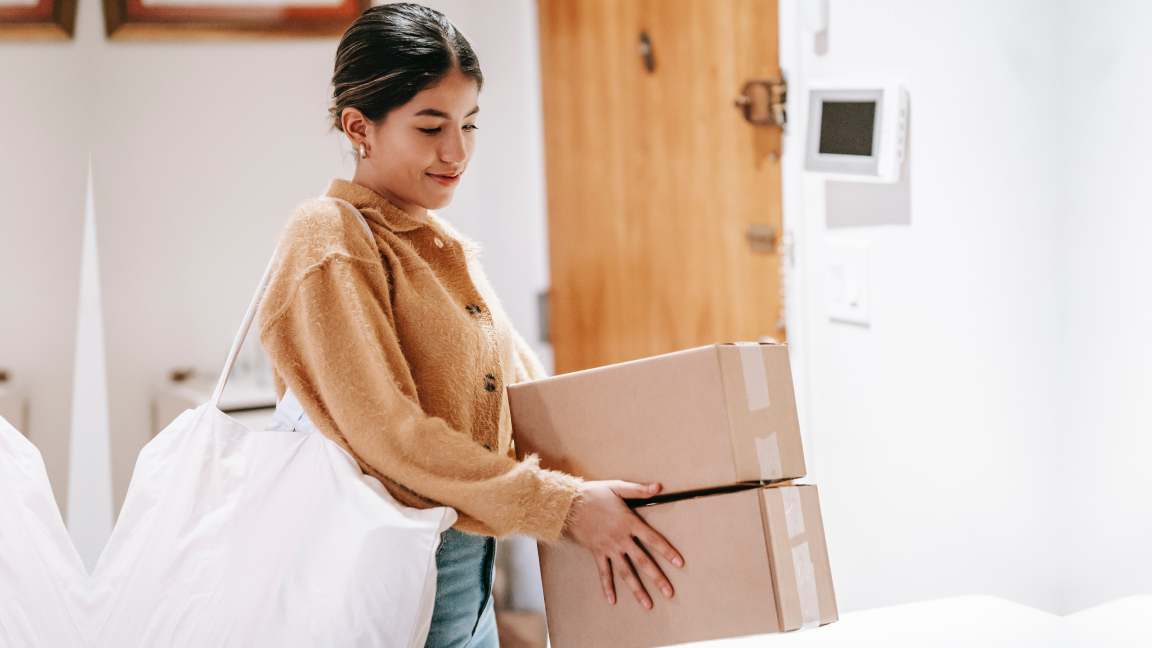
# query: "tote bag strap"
[255,305]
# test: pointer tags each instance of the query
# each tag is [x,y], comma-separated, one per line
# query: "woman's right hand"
[603,523]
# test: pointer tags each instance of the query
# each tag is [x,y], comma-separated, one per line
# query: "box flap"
[801,575]
[762,418]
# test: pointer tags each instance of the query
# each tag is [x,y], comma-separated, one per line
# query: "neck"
[416,211]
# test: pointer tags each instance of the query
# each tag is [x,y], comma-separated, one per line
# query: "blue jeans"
[463,615]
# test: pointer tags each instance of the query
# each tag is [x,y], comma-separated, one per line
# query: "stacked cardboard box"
[717,426]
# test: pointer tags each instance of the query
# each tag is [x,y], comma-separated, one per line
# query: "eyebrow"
[432,112]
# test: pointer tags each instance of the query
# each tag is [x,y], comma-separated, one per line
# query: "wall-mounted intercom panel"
[857,131]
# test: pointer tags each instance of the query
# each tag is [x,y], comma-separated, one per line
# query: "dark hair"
[391,53]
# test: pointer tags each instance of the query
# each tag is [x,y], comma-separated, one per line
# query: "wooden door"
[654,177]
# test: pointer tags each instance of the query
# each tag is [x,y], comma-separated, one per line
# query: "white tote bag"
[44,595]
[230,537]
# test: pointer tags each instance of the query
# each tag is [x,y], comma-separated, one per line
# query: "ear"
[355,126]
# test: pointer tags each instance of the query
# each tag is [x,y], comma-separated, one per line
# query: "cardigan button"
[490,382]
[438,242]
[473,310]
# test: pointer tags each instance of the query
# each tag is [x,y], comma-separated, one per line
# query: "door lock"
[763,102]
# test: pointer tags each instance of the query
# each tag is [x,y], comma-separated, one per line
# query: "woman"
[396,346]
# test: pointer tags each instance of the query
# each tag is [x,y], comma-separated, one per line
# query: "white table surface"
[969,622]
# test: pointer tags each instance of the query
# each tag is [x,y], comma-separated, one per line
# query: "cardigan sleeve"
[335,346]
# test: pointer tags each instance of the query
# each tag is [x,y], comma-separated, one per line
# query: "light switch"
[847,288]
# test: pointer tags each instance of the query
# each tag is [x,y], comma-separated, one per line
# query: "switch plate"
[848,298]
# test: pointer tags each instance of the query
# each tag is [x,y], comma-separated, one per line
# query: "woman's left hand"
[602,522]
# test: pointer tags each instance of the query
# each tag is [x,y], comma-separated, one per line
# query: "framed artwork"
[197,19]
[37,19]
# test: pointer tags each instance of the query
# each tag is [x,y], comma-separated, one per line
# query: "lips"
[445,179]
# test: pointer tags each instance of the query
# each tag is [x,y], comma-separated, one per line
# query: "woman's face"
[418,153]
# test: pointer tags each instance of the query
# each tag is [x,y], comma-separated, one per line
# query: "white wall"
[202,152]
[935,430]
[998,394]
[1106,351]
[43,167]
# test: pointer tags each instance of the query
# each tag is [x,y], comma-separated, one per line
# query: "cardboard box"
[702,418]
[755,562]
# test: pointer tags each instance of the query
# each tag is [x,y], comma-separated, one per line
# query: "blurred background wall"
[935,431]
[998,392]
[44,133]
[1106,300]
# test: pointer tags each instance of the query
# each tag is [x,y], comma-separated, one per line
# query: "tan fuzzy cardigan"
[399,351]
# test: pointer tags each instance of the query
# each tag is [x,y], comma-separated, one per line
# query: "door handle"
[646,54]
[761,238]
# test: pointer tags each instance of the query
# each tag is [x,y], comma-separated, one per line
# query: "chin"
[438,202]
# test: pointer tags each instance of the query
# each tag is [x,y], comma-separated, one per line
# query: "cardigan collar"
[375,207]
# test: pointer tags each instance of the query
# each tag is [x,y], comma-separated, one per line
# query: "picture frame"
[228,19]
[37,19]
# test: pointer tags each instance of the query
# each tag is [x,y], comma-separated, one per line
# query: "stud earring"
[363,153]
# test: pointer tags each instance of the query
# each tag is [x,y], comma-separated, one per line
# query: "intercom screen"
[846,127]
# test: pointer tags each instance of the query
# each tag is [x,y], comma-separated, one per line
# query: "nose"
[452,148]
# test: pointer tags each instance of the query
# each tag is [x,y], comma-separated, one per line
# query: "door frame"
[803,232]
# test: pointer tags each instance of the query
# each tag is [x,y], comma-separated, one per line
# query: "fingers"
[627,574]
[630,490]
[657,544]
[604,565]
[644,563]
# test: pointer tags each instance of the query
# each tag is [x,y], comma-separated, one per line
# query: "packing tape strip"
[806,587]
[793,512]
[755,379]
[768,455]
[801,559]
